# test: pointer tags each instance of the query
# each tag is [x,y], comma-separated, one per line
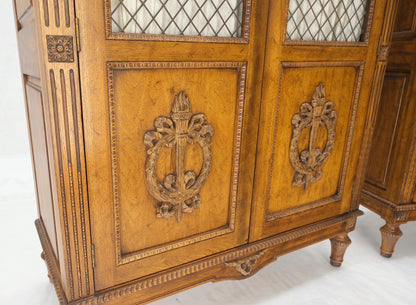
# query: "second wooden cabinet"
[188,148]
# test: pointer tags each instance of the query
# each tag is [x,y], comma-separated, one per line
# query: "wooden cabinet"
[175,143]
[390,185]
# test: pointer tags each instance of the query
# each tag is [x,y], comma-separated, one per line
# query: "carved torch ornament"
[178,193]
[314,115]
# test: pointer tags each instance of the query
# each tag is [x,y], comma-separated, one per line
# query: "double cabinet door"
[212,124]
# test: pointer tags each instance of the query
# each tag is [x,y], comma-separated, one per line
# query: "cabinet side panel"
[27,44]
[22,6]
[40,158]
[36,115]
[385,130]
[47,47]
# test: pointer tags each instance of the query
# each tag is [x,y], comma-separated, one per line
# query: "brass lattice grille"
[326,20]
[221,18]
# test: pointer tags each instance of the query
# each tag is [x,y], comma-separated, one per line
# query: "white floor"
[300,278]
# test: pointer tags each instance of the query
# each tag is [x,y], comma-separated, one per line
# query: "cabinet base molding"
[238,263]
[394,215]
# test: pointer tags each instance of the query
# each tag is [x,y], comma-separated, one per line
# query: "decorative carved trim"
[66,120]
[383,53]
[57,15]
[244,39]
[241,67]
[46,12]
[402,216]
[350,224]
[63,122]
[359,65]
[67,17]
[179,192]
[60,48]
[246,265]
[196,267]
[318,113]
[62,189]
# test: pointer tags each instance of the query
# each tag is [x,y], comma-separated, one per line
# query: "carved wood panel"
[169,169]
[282,201]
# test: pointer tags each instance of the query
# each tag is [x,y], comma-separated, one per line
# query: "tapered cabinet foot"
[339,244]
[390,234]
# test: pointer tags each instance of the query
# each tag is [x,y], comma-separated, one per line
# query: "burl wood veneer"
[390,185]
[163,162]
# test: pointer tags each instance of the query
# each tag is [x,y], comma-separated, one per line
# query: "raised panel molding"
[111,67]
[359,66]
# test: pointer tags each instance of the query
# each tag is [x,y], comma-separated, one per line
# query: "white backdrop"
[300,278]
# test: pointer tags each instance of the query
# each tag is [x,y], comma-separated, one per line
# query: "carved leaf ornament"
[246,265]
[314,115]
[178,192]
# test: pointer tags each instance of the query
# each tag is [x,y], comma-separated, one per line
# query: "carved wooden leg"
[339,244]
[390,234]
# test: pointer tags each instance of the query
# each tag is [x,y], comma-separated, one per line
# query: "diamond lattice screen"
[222,18]
[326,20]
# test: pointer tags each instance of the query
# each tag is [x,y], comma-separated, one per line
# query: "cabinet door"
[320,58]
[165,98]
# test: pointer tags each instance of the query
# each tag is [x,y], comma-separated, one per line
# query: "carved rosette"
[178,192]
[60,48]
[314,115]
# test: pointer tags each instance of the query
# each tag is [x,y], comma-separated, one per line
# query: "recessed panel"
[385,129]
[40,158]
[322,100]
[407,16]
[191,95]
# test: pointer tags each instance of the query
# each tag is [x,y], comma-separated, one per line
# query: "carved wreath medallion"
[178,192]
[312,116]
